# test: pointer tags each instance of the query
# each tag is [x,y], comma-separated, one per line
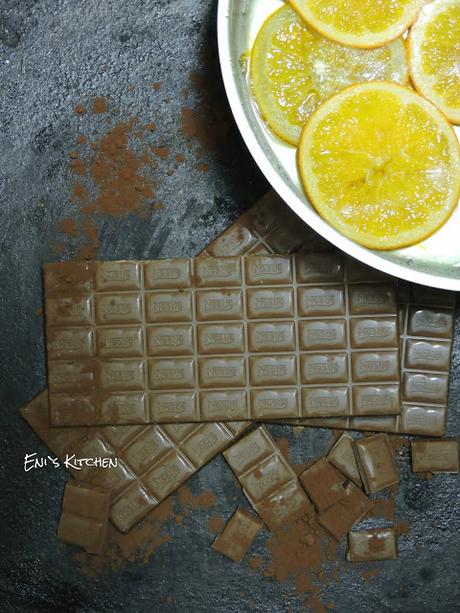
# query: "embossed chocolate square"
[376,462]
[238,535]
[323,484]
[372,545]
[228,338]
[85,516]
[342,456]
[435,456]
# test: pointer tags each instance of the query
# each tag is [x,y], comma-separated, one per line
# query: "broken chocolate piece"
[238,535]
[342,456]
[85,516]
[341,517]
[376,462]
[371,545]
[323,484]
[435,456]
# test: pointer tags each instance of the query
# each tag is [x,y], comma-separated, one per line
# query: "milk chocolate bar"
[376,462]
[435,456]
[268,480]
[427,328]
[339,518]
[205,339]
[147,462]
[238,535]
[269,226]
[372,545]
[85,516]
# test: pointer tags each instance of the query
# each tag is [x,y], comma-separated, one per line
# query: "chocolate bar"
[85,516]
[268,480]
[151,461]
[435,456]
[269,226]
[339,518]
[207,339]
[342,456]
[376,462]
[372,545]
[238,535]
[323,484]
[427,328]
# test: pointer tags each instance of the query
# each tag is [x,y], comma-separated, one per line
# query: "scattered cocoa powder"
[255,562]
[216,524]
[208,124]
[79,109]
[370,574]
[142,541]
[189,501]
[283,444]
[298,553]
[384,508]
[99,105]
[402,528]
[114,179]
[57,248]
[77,167]
[376,544]
[162,152]
[38,312]
[68,226]
[156,86]
[202,167]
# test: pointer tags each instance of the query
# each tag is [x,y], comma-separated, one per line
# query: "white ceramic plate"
[434,262]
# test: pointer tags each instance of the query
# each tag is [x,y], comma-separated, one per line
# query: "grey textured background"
[54,54]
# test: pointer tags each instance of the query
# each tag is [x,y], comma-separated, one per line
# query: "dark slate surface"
[54,54]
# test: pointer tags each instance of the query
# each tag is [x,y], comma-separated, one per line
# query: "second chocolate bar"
[210,339]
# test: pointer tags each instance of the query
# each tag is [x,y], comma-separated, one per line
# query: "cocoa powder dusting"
[162,152]
[208,124]
[142,541]
[68,226]
[255,562]
[79,109]
[216,524]
[298,554]
[283,444]
[117,173]
[114,177]
[99,105]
